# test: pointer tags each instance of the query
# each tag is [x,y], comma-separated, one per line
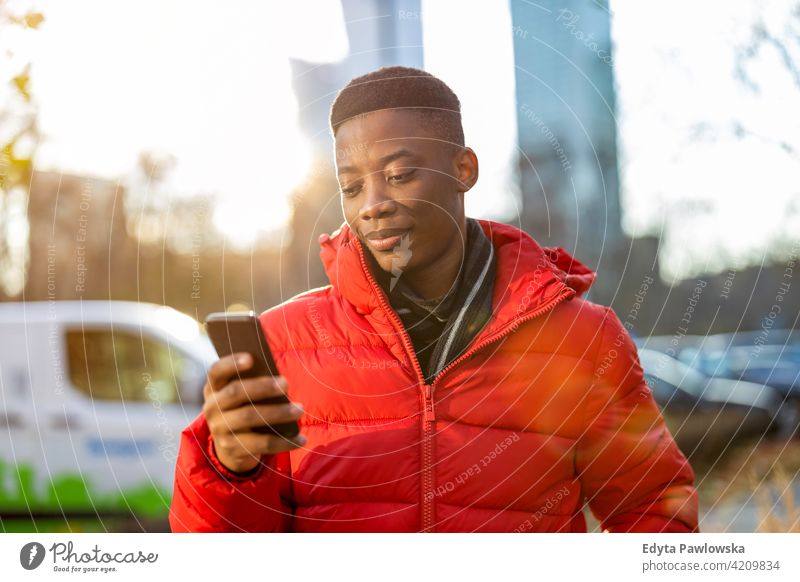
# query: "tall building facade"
[567,132]
[380,33]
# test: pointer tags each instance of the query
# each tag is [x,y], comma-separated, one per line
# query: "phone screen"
[242,332]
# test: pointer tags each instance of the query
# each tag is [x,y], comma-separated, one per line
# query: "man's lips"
[384,240]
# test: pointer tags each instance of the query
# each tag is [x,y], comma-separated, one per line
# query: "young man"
[452,378]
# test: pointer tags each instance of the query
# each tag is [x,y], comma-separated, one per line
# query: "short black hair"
[399,87]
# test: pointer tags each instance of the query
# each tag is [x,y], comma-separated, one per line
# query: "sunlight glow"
[210,85]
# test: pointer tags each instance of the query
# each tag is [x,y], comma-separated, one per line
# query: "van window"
[126,366]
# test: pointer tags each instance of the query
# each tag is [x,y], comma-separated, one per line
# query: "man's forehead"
[376,126]
[392,123]
[355,156]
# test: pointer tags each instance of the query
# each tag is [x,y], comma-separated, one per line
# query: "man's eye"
[401,177]
[350,191]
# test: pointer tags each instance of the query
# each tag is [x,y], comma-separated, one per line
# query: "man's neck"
[434,280]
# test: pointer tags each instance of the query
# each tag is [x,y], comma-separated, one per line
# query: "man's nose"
[377,202]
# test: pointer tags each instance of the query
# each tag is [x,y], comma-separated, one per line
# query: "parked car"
[745,338]
[703,413]
[94,397]
[777,366]
[668,344]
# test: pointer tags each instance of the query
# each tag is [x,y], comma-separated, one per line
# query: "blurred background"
[163,160]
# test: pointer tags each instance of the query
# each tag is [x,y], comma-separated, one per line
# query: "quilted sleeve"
[207,497]
[633,474]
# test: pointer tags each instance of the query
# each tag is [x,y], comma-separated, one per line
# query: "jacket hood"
[528,276]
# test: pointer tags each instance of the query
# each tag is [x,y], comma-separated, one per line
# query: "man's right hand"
[231,411]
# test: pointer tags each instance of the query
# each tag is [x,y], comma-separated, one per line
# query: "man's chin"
[383,260]
[388,261]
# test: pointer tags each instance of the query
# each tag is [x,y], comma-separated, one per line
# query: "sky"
[721,197]
[213,89]
[210,88]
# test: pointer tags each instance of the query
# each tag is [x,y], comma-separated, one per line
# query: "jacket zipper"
[427,400]
[509,327]
[428,411]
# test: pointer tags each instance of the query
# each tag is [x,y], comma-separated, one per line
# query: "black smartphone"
[242,332]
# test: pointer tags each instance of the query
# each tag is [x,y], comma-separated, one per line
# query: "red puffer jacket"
[545,409]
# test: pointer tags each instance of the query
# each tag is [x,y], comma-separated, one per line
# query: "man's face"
[402,188]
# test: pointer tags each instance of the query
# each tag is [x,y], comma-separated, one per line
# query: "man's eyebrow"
[401,153]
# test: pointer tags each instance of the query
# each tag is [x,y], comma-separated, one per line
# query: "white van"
[93,398]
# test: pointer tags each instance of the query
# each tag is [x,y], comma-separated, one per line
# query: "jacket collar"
[529,277]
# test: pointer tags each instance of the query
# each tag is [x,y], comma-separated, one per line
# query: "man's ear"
[466,169]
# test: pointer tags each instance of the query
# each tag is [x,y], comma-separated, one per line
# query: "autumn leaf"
[34,19]
[14,171]
[21,82]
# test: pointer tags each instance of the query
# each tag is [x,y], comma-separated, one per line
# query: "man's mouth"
[386,239]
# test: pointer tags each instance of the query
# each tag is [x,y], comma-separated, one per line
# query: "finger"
[244,446]
[251,416]
[282,444]
[250,390]
[227,367]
